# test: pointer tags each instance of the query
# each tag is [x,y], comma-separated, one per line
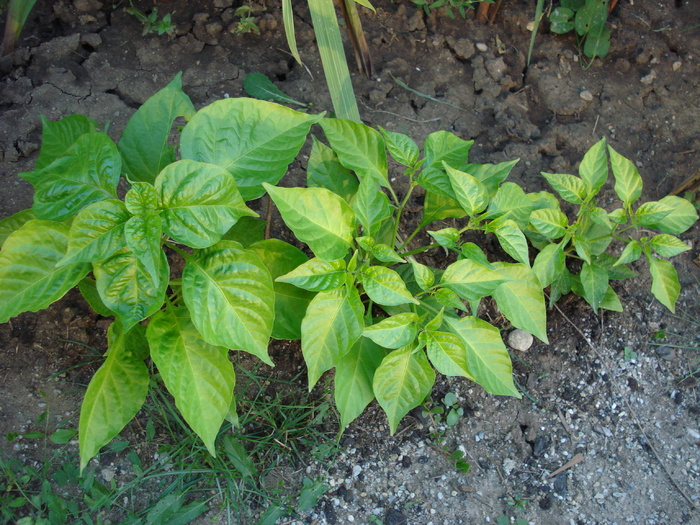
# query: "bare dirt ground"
[625,426]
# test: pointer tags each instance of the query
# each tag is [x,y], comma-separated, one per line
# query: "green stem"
[420,250]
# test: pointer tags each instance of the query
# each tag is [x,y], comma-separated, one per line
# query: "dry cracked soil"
[609,429]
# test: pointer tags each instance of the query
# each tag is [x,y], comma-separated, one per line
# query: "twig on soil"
[578,458]
[400,116]
[595,126]
[636,420]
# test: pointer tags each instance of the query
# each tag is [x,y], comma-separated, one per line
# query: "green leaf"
[664,282]
[611,301]
[511,239]
[683,216]
[318,217]
[618,216]
[402,147]
[469,250]
[88,288]
[30,278]
[449,299]
[143,236]
[246,231]
[651,213]
[631,253]
[97,232]
[359,148]
[591,17]
[597,43]
[487,357]
[116,392]
[254,141]
[317,275]
[447,353]
[402,382]
[324,170]
[549,264]
[447,237]
[354,374]
[490,175]
[291,301]
[144,143]
[521,300]
[198,375]
[550,223]
[63,435]
[87,173]
[333,324]
[443,146]
[470,279]
[14,222]
[128,288]
[510,202]
[383,253]
[58,136]
[371,206]
[423,274]
[261,87]
[385,287]
[628,182]
[561,20]
[594,280]
[470,193]
[237,454]
[560,286]
[437,207]
[395,331]
[201,202]
[231,299]
[582,247]
[141,199]
[570,188]
[668,245]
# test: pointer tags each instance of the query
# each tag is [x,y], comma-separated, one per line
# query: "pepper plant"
[120,220]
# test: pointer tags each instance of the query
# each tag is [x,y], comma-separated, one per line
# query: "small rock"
[356,470]
[406,462]
[561,484]
[677,65]
[223,4]
[416,23]
[496,68]
[648,79]
[540,445]
[520,340]
[91,39]
[665,352]
[87,6]
[482,47]
[586,95]
[107,474]
[394,517]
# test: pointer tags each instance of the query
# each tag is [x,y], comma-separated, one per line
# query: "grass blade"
[335,65]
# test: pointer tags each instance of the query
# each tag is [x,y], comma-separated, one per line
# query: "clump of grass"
[164,474]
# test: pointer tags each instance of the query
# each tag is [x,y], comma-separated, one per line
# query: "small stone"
[496,68]
[394,517]
[665,352]
[356,471]
[520,340]
[482,47]
[107,474]
[648,79]
[223,4]
[586,95]
[677,65]
[540,446]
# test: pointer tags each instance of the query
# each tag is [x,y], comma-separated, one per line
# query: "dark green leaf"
[259,86]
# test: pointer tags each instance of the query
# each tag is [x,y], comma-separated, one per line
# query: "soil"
[609,430]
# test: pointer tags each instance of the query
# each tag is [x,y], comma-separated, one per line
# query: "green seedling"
[150,22]
[588,19]
[461,6]
[365,304]
[246,21]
